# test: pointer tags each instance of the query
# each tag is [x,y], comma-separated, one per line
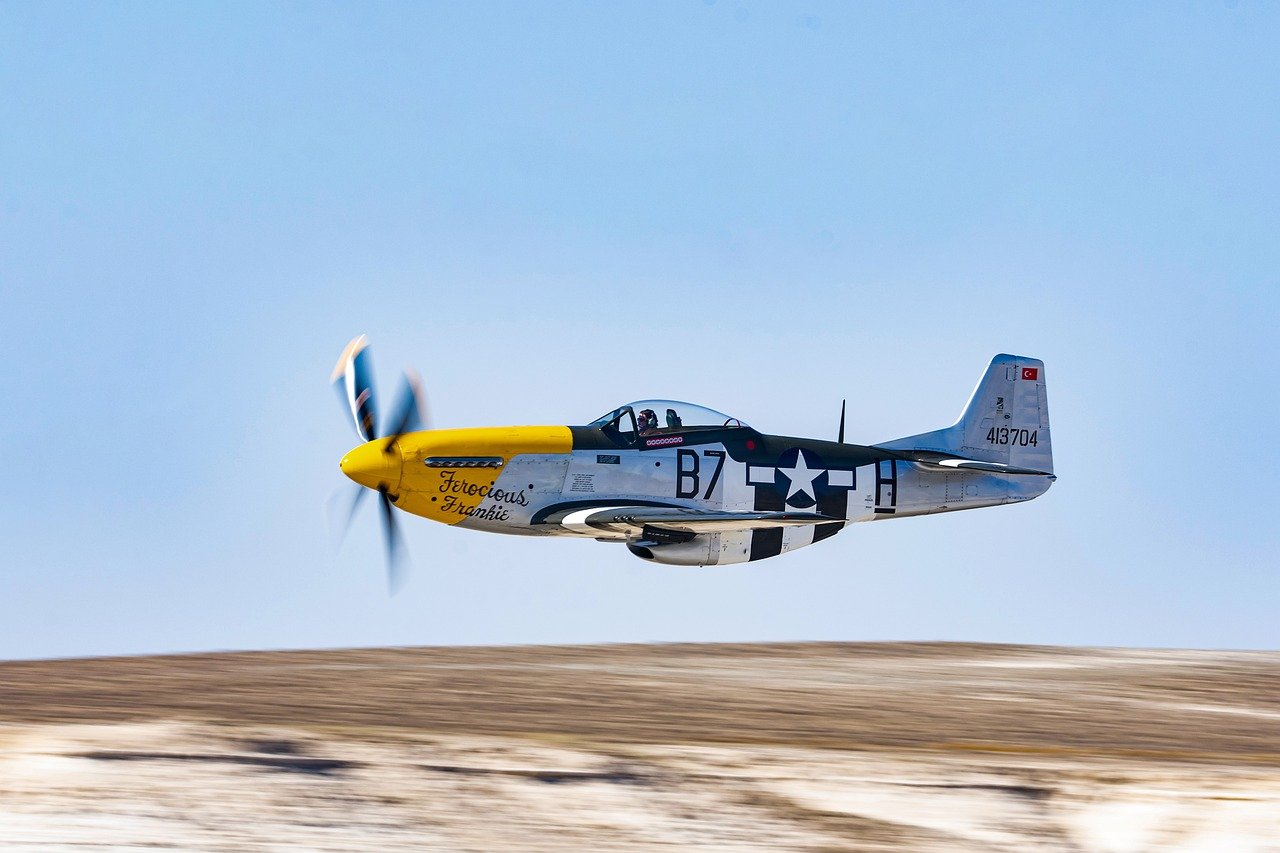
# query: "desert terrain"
[808,746]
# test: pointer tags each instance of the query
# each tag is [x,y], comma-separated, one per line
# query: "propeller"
[373,467]
[840,434]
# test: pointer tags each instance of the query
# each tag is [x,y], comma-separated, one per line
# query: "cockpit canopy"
[648,416]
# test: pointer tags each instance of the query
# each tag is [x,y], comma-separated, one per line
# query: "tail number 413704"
[1012,436]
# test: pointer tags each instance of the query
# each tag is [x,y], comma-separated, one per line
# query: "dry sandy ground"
[801,746]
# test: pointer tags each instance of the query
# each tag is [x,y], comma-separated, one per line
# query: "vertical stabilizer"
[1006,420]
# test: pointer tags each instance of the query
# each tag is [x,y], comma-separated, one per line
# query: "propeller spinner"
[375,465]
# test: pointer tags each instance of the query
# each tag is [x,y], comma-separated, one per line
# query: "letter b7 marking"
[688,472]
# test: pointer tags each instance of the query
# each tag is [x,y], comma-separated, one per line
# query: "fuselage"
[545,480]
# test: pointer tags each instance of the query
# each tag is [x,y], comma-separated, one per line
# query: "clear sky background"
[551,209]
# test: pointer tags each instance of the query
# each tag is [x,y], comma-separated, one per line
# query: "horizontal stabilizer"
[944,460]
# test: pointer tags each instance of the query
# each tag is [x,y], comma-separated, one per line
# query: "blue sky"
[550,209]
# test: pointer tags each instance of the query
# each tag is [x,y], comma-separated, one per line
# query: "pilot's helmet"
[648,418]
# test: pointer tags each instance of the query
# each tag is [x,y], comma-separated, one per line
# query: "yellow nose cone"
[372,465]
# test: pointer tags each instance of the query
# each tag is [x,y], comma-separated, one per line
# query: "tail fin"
[1006,420]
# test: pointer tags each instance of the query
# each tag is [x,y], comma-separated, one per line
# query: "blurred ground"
[788,746]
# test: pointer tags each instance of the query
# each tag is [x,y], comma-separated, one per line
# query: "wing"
[677,523]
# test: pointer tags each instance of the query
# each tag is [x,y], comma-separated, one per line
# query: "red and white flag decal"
[1030,373]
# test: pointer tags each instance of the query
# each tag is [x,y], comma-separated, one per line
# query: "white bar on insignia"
[760,475]
[840,479]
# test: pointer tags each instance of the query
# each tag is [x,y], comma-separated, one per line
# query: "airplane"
[681,484]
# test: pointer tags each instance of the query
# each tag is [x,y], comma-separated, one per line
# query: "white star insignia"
[801,477]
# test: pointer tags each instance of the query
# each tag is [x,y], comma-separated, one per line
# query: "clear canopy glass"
[668,414]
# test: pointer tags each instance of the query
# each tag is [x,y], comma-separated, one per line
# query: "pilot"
[648,420]
[673,420]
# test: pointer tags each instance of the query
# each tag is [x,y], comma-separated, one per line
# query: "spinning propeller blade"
[353,379]
[356,499]
[408,414]
[396,555]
